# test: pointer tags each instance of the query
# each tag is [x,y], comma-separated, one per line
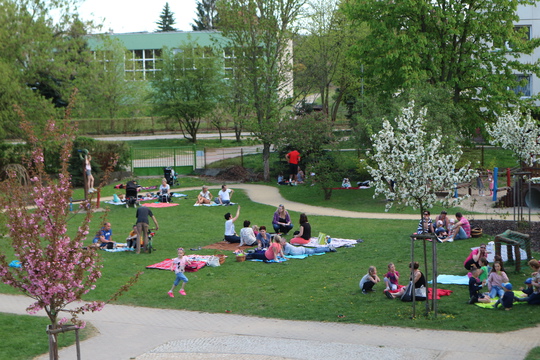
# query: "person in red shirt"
[293,158]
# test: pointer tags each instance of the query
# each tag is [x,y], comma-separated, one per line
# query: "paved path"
[127,332]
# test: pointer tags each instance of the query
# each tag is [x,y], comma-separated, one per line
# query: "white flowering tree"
[418,165]
[416,161]
[519,133]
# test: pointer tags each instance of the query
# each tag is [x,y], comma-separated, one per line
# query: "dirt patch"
[495,227]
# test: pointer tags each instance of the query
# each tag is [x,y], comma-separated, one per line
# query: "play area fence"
[184,160]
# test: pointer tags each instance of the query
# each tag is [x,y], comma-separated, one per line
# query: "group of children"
[391,279]
[494,278]
[499,285]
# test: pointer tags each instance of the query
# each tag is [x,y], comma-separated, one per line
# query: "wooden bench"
[514,241]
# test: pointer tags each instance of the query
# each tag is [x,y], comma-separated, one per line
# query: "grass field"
[318,288]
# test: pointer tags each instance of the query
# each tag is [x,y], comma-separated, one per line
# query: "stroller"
[132,196]
[171,176]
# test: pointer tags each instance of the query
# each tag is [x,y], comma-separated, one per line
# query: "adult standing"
[224,196]
[293,158]
[473,260]
[142,215]
[89,176]
[462,229]
[230,233]
[282,220]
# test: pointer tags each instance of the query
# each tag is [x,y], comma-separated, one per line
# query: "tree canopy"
[470,47]
[260,42]
[207,16]
[188,86]
[167,20]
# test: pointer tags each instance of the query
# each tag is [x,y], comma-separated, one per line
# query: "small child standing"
[391,279]
[369,280]
[178,266]
[507,299]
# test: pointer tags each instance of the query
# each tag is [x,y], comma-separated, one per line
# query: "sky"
[136,15]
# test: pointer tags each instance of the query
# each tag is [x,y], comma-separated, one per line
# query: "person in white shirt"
[204,196]
[230,233]
[247,236]
[224,196]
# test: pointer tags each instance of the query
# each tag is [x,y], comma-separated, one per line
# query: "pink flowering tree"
[55,270]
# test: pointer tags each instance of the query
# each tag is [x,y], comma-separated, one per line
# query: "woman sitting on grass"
[304,234]
[419,280]
[274,252]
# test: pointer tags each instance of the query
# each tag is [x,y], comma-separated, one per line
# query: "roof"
[158,40]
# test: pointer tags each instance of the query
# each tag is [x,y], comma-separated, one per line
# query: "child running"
[178,265]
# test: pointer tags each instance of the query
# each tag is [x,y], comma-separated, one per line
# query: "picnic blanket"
[440,292]
[223,245]
[336,242]
[270,261]
[490,248]
[494,300]
[178,195]
[211,204]
[159,205]
[197,262]
[453,279]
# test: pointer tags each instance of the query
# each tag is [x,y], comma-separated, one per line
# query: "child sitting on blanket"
[178,266]
[475,286]
[369,280]
[508,297]
[131,240]
[391,279]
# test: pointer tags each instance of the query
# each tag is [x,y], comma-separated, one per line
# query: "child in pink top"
[178,266]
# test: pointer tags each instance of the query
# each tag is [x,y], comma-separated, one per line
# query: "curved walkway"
[128,332]
[270,195]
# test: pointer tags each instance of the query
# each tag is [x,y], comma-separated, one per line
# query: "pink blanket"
[159,205]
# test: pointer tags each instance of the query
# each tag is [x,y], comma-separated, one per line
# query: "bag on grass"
[420,293]
[321,240]
[213,261]
[407,294]
[476,232]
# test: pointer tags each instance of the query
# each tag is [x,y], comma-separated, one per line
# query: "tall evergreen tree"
[207,16]
[167,20]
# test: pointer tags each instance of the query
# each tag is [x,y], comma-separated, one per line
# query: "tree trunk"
[266,160]
[53,343]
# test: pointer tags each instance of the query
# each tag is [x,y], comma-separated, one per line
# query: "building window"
[524,88]
[524,30]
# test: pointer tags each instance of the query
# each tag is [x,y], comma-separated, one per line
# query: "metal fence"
[184,160]
[146,161]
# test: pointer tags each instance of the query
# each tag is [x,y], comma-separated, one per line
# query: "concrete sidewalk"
[127,332]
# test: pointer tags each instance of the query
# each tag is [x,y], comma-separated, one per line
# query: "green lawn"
[318,288]
[25,338]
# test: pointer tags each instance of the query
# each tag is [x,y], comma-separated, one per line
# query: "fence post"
[174,161]
[242,157]
[132,162]
[194,157]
